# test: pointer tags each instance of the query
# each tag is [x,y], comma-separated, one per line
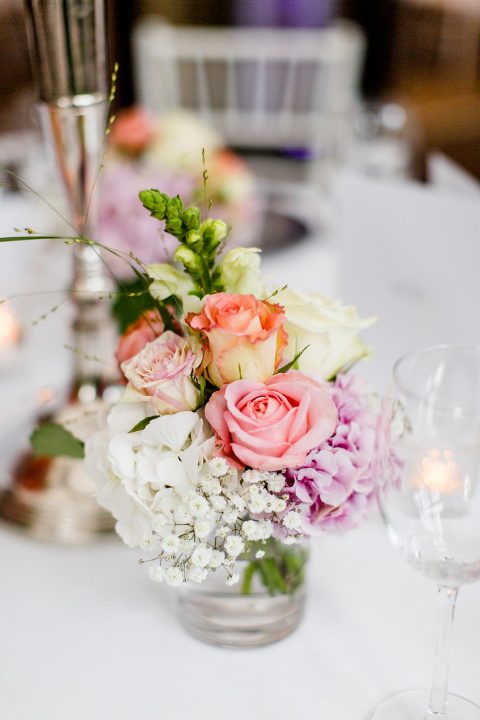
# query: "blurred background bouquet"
[148,150]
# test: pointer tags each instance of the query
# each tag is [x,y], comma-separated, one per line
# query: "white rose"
[328,329]
[240,272]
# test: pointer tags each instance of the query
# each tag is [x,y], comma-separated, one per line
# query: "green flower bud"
[175,206]
[155,202]
[194,240]
[214,232]
[191,218]
[174,226]
[187,257]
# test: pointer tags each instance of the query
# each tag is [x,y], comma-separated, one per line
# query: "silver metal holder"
[52,498]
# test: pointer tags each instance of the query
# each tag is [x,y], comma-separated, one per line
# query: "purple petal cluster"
[335,485]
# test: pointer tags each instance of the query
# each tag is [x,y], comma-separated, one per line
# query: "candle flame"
[438,472]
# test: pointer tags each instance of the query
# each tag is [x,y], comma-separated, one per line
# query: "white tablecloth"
[85,635]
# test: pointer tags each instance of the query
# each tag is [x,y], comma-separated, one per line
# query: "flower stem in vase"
[281,569]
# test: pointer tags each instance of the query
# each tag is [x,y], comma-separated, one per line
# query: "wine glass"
[428,467]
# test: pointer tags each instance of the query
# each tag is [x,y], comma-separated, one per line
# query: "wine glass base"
[413,705]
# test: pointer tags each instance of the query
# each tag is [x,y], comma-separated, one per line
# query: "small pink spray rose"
[163,374]
[246,337]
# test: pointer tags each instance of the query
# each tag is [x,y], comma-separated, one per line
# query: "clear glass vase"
[265,606]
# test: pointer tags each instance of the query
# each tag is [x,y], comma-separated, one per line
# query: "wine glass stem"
[438,698]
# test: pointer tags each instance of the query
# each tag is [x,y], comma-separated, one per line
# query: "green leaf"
[52,439]
[292,363]
[143,423]
[200,383]
[128,307]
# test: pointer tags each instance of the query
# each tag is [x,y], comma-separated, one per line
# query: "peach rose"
[133,131]
[271,426]
[163,374]
[245,337]
[138,334]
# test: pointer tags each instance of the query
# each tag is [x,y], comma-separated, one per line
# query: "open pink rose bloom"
[272,425]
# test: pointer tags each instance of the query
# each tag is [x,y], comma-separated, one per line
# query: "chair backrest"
[269,88]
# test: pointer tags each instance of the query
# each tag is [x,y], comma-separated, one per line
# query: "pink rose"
[245,337]
[272,426]
[138,334]
[163,374]
[133,131]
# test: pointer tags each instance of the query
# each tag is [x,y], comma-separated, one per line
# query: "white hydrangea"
[260,554]
[160,521]
[172,496]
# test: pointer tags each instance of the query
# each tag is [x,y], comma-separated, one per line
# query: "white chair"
[261,88]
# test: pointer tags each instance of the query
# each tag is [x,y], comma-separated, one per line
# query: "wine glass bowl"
[428,471]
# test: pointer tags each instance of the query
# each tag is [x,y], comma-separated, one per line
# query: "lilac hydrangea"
[334,487]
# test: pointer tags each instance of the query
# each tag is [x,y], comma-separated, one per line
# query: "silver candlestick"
[52,498]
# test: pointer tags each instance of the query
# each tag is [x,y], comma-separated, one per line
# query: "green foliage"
[52,439]
[133,300]
[142,424]
[281,570]
[293,362]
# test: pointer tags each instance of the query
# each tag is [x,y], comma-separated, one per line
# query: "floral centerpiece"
[238,425]
[240,432]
